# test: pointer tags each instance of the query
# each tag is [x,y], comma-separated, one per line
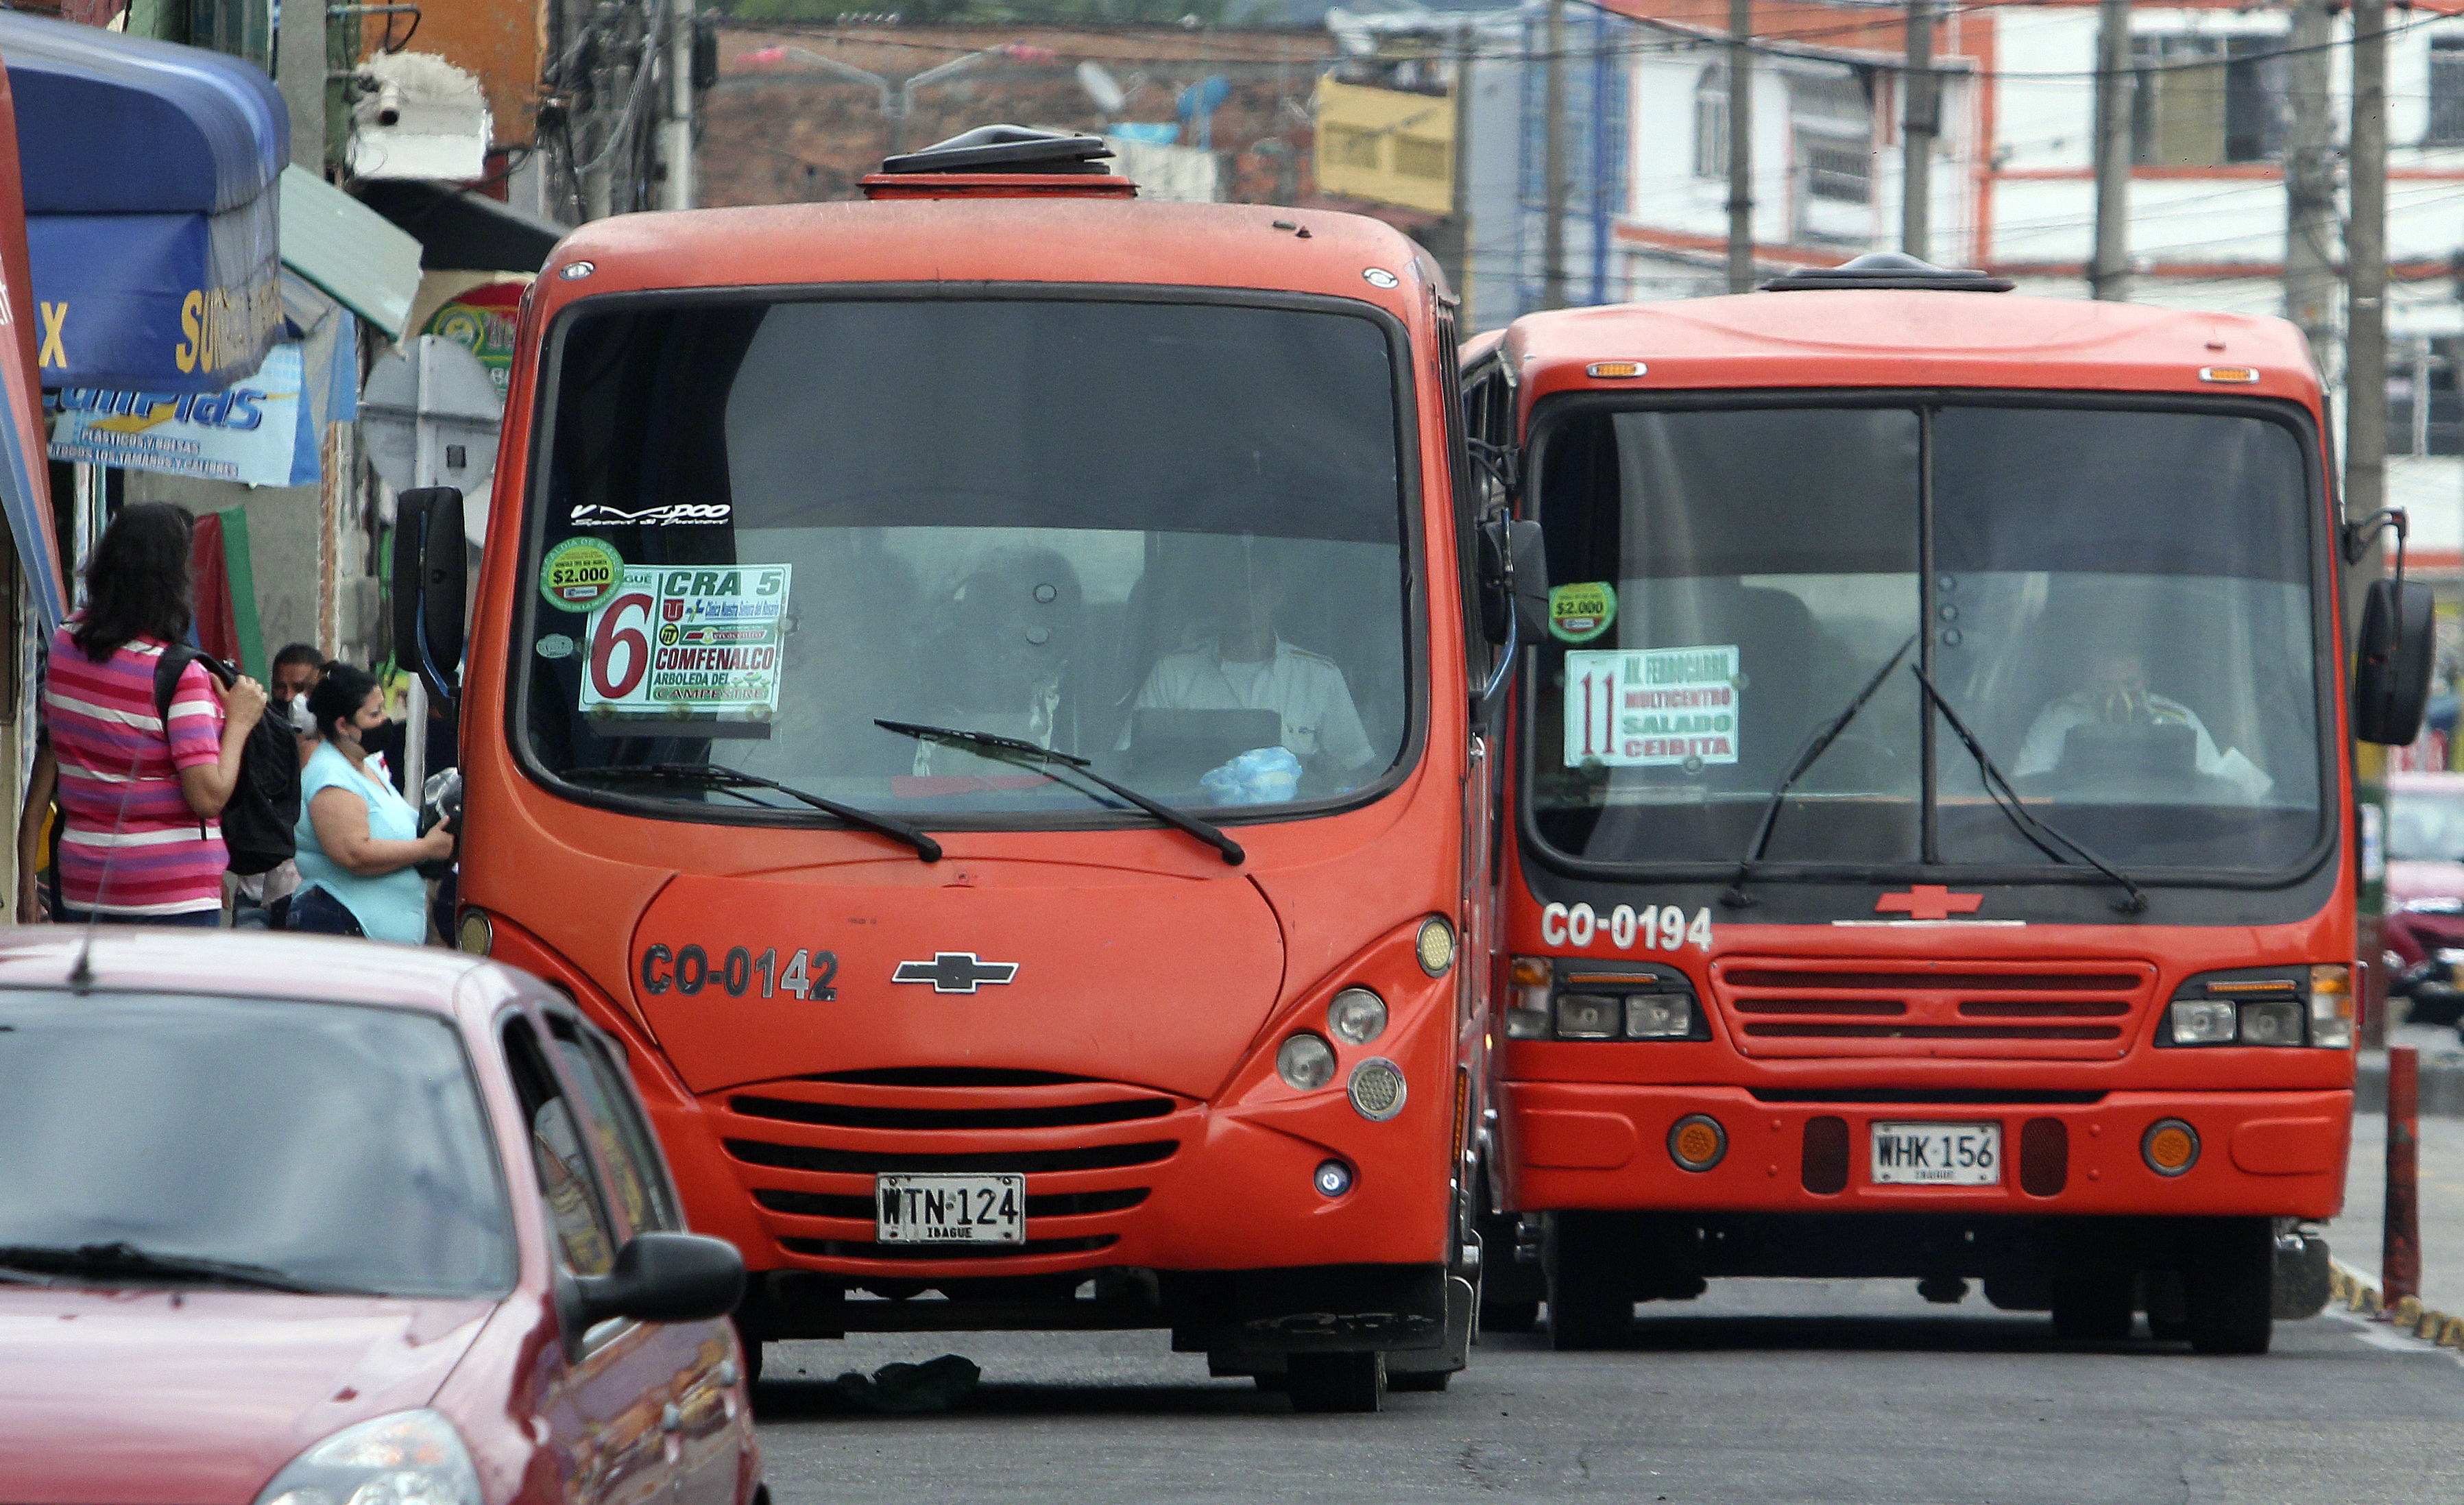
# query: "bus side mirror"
[2392,680]
[1513,581]
[430,571]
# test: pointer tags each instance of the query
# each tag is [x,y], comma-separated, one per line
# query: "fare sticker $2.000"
[1654,927]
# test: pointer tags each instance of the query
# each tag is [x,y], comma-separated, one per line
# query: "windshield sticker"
[579,575]
[700,640]
[1580,613]
[555,645]
[1652,708]
[599,515]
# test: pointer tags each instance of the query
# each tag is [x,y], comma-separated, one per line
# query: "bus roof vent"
[1888,269]
[1001,162]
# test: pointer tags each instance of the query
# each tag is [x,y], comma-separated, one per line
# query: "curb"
[2358,1293]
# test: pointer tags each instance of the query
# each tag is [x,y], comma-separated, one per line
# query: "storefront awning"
[151,208]
[460,230]
[348,252]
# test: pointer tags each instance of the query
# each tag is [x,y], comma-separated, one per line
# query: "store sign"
[481,320]
[255,431]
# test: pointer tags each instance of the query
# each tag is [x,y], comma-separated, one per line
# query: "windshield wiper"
[1819,744]
[712,775]
[2006,799]
[1012,749]
[108,1261]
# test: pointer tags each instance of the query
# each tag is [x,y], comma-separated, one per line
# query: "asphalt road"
[1777,1391]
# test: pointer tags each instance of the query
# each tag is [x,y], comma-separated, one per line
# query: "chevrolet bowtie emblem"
[955,973]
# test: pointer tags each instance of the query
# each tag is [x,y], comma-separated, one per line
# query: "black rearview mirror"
[1513,581]
[430,569]
[2391,677]
[666,1277]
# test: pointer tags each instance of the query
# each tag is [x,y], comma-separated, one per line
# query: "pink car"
[2424,894]
[296,1222]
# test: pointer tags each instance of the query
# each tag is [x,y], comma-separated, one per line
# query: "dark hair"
[137,580]
[339,696]
[300,653]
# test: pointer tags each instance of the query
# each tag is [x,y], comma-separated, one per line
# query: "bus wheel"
[2232,1287]
[1336,1381]
[2098,1310]
[1591,1295]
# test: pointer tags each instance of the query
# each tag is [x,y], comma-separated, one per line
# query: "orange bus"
[1930,849]
[973,687]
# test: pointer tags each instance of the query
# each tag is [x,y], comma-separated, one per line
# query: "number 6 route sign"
[688,640]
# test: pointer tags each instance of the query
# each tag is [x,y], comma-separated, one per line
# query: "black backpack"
[263,813]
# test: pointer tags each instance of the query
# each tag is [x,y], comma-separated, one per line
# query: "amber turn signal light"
[2169,1147]
[1697,1141]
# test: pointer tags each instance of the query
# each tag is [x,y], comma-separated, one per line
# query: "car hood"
[2411,878]
[199,1396]
[1080,970]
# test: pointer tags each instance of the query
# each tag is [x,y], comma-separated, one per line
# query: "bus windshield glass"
[1164,537]
[2116,603]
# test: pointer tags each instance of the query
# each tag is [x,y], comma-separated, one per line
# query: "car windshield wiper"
[2006,799]
[109,1261]
[1815,746]
[712,775]
[1012,749]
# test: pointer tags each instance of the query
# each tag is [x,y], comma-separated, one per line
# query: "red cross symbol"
[1928,901]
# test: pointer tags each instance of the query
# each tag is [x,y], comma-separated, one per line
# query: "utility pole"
[300,72]
[1919,123]
[1552,163]
[2310,182]
[2366,270]
[1741,146]
[676,127]
[2109,273]
[597,191]
[1461,161]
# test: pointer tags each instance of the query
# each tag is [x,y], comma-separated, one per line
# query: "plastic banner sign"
[697,641]
[1651,708]
[256,430]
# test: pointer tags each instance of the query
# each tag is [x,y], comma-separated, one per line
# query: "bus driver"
[1248,666]
[2117,694]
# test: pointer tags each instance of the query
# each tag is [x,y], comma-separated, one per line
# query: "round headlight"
[1437,947]
[1306,1063]
[475,934]
[1376,1088]
[1356,1015]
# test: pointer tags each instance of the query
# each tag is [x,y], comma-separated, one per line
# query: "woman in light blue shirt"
[359,846]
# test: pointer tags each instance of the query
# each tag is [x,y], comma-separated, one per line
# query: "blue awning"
[151,208]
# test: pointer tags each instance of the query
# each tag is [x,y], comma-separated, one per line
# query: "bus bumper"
[1572,1146]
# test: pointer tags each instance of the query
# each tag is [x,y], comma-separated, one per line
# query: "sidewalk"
[2354,1237]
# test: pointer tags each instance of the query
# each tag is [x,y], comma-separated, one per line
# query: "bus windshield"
[2116,603]
[1164,537]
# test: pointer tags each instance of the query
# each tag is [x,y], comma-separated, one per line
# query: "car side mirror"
[430,571]
[665,1277]
[2391,677]
[1513,581]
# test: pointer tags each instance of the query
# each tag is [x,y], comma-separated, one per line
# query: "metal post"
[1552,163]
[2420,409]
[2400,1259]
[1741,146]
[426,465]
[1919,123]
[677,128]
[2109,274]
[598,179]
[1460,162]
[300,71]
[2365,263]
[2310,182]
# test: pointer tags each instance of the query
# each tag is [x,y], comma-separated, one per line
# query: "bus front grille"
[1976,1009]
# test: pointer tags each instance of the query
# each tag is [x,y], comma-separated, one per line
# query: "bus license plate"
[950,1209]
[1937,1154]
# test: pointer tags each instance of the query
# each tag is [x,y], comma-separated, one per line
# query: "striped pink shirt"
[129,843]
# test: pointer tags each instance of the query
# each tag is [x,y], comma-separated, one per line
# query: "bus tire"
[1336,1382]
[2230,1283]
[2097,1310]
[1590,1291]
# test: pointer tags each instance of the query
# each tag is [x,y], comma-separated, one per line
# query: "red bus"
[1930,847]
[972,687]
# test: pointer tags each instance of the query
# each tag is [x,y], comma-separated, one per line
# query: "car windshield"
[2116,603]
[1164,537]
[2426,824]
[338,1146]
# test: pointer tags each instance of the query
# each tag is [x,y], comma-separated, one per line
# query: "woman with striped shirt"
[139,793]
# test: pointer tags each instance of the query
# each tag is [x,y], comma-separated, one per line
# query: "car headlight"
[408,1458]
[1306,1063]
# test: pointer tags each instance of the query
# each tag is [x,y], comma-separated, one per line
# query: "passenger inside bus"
[2115,729]
[1246,665]
[1004,655]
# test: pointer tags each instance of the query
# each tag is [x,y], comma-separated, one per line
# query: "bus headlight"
[2331,1007]
[1378,1088]
[2279,1005]
[1659,1016]
[1527,1007]
[1356,1015]
[1306,1063]
[2203,1021]
[1589,1016]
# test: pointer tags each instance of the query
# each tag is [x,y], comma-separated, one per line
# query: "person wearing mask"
[359,846]
[297,669]
[137,791]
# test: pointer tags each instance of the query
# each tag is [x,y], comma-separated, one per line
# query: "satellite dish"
[1101,87]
